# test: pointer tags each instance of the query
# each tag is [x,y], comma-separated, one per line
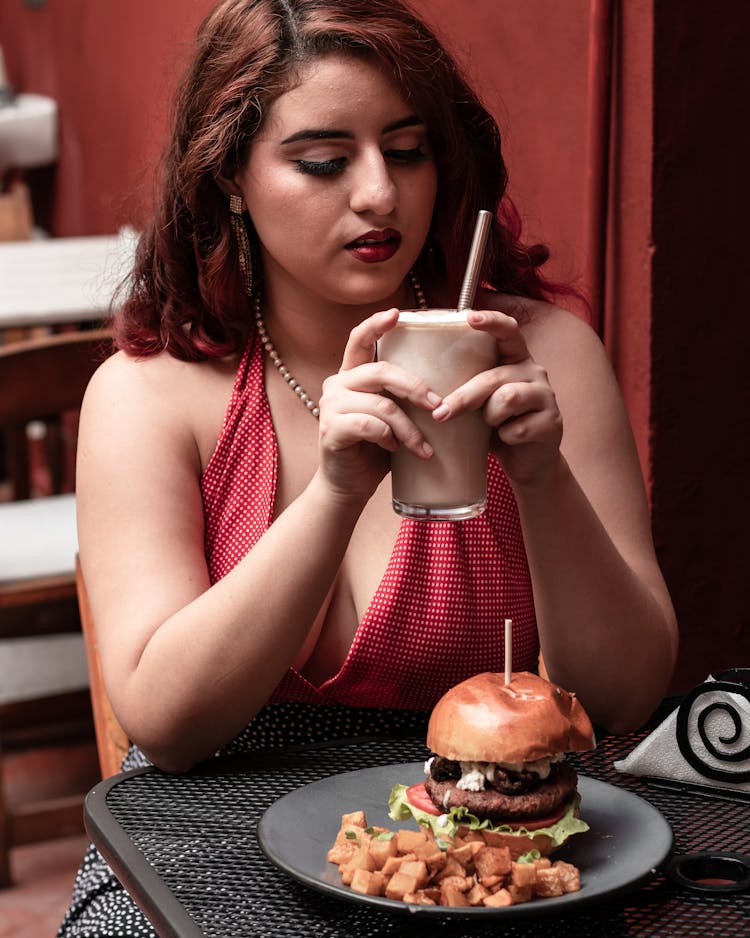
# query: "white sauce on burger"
[474,774]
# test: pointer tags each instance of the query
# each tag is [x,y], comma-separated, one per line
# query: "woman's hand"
[516,399]
[360,424]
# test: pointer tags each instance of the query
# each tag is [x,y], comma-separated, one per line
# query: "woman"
[252,583]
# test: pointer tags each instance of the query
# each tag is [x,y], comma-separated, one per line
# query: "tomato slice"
[417,795]
[536,823]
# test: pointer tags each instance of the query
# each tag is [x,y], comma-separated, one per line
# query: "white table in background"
[48,281]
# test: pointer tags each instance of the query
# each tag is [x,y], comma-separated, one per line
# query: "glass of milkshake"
[441,347]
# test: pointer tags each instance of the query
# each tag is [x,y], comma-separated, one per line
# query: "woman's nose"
[373,190]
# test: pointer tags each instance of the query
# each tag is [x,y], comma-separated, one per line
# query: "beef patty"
[545,798]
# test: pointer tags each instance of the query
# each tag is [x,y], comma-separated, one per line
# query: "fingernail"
[440,413]
[476,318]
[433,399]
[427,450]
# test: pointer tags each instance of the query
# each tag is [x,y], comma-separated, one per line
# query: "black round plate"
[629,839]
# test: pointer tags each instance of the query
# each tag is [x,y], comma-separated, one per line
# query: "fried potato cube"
[351,834]
[417,869]
[548,883]
[492,882]
[433,856]
[451,895]
[407,841]
[342,853]
[400,884]
[477,894]
[465,853]
[354,819]
[464,883]
[367,883]
[360,861]
[543,863]
[520,894]
[451,868]
[522,874]
[498,899]
[426,849]
[381,850]
[393,864]
[428,896]
[492,861]
[570,875]
[419,898]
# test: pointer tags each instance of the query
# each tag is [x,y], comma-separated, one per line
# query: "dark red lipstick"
[374,247]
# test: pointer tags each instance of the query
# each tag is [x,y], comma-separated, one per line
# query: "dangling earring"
[236,208]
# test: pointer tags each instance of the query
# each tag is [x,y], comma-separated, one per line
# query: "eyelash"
[330,167]
[321,167]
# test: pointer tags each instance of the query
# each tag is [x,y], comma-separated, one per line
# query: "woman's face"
[340,184]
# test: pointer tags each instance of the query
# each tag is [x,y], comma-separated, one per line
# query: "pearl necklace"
[278,363]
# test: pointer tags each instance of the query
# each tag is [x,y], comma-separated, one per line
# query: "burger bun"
[483,719]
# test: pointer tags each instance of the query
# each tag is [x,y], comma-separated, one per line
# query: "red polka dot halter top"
[437,616]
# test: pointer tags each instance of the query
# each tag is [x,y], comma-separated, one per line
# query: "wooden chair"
[112,742]
[42,380]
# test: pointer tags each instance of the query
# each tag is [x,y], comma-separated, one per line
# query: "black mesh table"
[186,849]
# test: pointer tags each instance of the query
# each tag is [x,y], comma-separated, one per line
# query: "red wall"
[110,67]
[510,51]
[665,231]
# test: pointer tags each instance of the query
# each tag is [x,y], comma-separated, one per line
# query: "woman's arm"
[605,617]
[606,623]
[188,664]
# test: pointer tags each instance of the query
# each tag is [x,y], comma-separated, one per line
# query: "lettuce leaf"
[401,808]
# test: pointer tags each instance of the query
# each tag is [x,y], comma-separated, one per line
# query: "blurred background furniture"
[112,742]
[44,697]
[16,213]
[50,281]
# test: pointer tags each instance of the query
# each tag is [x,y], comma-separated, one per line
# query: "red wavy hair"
[185,294]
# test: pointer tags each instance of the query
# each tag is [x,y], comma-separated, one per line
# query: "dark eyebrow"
[411,121]
[318,135]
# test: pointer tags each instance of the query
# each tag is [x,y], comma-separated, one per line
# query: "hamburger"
[498,763]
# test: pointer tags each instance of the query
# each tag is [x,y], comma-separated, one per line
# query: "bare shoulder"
[145,379]
[545,325]
[560,340]
[162,395]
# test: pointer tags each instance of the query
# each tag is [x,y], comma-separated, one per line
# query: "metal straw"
[474,264]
